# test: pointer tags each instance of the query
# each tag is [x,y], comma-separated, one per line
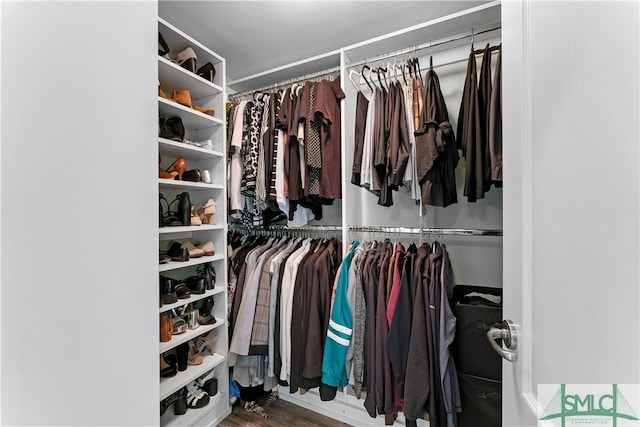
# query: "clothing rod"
[418,230]
[281,227]
[285,82]
[427,45]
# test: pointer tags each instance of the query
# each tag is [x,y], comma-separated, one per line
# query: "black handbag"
[172,128]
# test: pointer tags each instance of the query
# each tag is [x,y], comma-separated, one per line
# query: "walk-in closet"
[419,213]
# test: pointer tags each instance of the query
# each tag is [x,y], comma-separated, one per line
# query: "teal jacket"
[334,372]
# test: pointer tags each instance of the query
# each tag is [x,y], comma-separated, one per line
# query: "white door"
[571,198]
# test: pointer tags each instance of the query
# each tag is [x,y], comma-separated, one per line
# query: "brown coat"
[327,113]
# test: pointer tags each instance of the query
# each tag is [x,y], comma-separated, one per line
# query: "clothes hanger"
[401,69]
[356,85]
[383,71]
[366,67]
[391,72]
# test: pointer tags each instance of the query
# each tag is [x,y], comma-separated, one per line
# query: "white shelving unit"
[198,127]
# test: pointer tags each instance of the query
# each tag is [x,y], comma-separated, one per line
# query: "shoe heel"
[182,354]
[189,64]
[207,218]
[180,406]
[211,387]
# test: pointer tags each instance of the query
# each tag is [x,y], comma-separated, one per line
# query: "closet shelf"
[174,265]
[188,185]
[191,119]
[173,77]
[193,416]
[178,41]
[169,385]
[182,229]
[189,152]
[176,340]
[181,302]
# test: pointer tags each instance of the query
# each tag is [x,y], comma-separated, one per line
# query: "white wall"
[79,228]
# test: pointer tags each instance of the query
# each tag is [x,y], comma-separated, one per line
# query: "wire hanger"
[366,67]
[472,39]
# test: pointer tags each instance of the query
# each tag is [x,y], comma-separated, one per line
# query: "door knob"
[505,331]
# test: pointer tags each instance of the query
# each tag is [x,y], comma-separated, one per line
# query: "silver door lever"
[506,332]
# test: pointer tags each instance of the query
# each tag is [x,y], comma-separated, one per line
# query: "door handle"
[505,331]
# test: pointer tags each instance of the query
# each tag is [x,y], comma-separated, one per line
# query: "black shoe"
[179,401]
[184,208]
[205,317]
[177,252]
[168,294]
[172,128]
[207,72]
[196,285]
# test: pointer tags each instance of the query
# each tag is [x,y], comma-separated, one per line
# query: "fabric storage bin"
[481,401]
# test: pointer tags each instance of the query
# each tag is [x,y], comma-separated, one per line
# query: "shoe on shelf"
[177,252]
[177,168]
[209,383]
[184,208]
[209,273]
[187,59]
[161,93]
[182,97]
[179,325]
[171,128]
[208,210]
[192,175]
[181,289]
[168,294]
[205,176]
[163,48]
[196,285]
[182,356]
[196,397]
[179,401]
[194,252]
[165,327]
[205,317]
[207,72]
[207,111]
[207,248]
[195,358]
[168,366]
[195,218]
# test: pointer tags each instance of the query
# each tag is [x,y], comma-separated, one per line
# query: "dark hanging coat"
[469,134]
[495,124]
[436,153]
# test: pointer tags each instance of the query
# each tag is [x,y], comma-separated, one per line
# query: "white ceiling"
[255,36]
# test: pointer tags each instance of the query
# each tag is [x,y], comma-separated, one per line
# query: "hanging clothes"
[436,152]
[362,105]
[495,124]
[476,119]
[328,115]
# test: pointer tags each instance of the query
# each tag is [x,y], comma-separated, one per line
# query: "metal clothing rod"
[422,46]
[285,83]
[284,228]
[418,230]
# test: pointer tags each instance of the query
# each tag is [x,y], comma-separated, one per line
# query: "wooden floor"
[279,413]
